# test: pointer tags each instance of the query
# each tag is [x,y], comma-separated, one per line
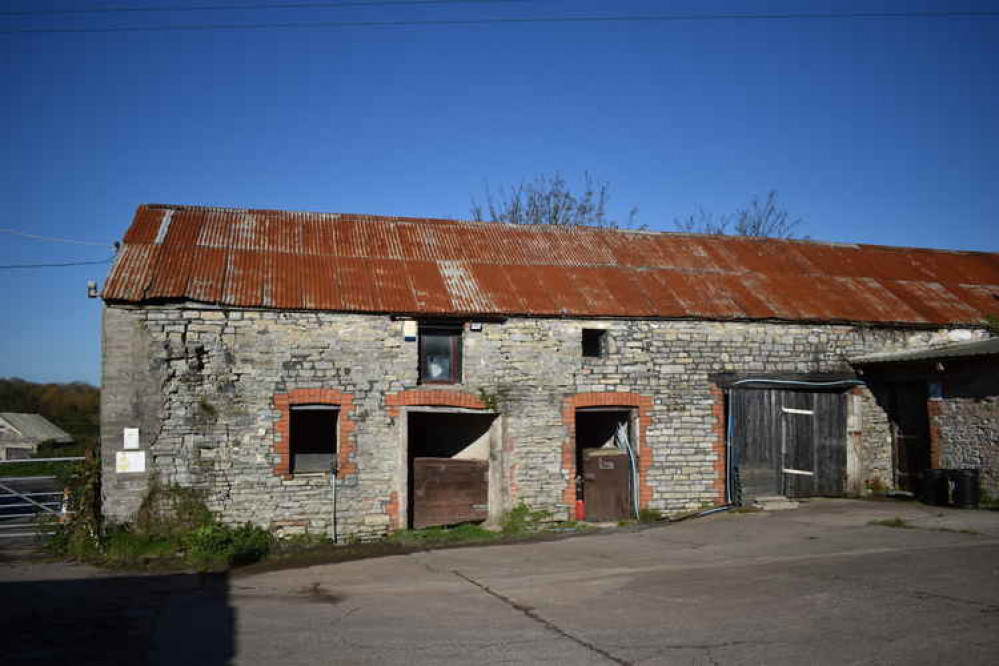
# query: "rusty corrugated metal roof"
[358,263]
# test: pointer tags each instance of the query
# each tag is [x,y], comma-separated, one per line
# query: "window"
[440,354]
[594,342]
[313,440]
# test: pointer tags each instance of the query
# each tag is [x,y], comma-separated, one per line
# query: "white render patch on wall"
[200,384]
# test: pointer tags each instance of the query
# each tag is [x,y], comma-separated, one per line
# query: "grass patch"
[956,531]
[444,535]
[896,522]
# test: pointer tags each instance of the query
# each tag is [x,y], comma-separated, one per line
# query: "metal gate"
[24,498]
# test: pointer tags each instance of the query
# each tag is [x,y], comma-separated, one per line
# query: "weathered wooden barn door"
[449,492]
[788,442]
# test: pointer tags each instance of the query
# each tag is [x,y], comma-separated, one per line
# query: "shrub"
[522,520]
[216,545]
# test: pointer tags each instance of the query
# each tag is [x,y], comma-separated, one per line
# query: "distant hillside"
[74,407]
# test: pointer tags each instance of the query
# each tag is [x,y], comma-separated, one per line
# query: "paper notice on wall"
[130,461]
[131,436]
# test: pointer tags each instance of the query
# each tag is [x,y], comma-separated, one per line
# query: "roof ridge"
[552,228]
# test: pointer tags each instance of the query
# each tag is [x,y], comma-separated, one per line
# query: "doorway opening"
[910,432]
[448,467]
[606,463]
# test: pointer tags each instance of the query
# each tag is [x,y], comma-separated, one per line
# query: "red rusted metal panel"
[357,263]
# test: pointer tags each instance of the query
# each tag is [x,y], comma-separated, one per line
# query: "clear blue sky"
[873,130]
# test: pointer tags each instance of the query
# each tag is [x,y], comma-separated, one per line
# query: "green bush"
[122,546]
[522,520]
[217,545]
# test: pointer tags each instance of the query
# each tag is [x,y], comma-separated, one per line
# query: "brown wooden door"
[605,485]
[448,491]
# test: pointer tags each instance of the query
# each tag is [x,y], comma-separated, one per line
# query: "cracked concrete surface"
[817,585]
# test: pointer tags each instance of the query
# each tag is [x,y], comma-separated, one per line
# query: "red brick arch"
[346,445]
[432,398]
[642,403]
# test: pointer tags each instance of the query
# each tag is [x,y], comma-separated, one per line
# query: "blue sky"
[872,130]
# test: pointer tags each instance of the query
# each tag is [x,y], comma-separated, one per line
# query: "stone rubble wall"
[969,434]
[200,383]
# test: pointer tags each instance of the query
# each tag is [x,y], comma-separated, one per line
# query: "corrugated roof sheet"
[36,427]
[989,347]
[358,263]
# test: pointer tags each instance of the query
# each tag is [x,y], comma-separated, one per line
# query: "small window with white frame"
[440,353]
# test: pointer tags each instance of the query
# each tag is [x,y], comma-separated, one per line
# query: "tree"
[766,218]
[548,199]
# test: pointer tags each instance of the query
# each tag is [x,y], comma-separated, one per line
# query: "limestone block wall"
[204,387]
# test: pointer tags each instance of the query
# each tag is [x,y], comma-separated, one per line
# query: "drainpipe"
[333,473]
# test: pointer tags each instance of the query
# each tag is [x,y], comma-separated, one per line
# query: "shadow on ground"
[176,619]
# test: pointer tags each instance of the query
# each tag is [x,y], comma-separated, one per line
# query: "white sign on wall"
[131,437]
[130,461]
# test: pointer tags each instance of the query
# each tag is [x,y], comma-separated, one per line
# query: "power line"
[675,18]
[246,6]
[58,265]
[54,239]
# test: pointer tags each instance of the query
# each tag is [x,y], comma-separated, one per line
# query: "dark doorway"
[910,432]
[448,468]
[786,442]
[604,478]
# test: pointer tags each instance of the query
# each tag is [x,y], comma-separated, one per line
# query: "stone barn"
[352,375]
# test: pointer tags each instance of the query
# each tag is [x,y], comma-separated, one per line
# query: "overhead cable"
[58,265]
[53,239]
[671,18]
[354,4]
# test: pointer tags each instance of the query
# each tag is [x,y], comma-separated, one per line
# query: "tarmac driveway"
[815,585]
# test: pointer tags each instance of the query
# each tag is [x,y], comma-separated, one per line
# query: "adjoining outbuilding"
[354,375]
[943,403]
[21,434]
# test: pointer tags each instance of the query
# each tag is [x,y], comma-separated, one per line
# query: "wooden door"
[606,486]
[449,491]
[911,430]
[788,442]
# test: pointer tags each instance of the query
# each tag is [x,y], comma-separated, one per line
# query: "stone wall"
[965,425]
[203,386]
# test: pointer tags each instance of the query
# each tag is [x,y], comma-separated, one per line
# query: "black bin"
[934,487]
[965,493]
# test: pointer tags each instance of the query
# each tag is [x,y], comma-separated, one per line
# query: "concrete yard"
[816,585]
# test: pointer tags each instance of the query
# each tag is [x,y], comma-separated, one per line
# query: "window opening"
[313,438]
[594,343]
[440,354]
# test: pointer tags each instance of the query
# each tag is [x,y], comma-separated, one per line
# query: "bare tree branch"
[548,199]
[766,218]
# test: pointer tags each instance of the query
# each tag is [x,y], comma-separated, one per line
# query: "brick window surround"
[637,401]
[346,445]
